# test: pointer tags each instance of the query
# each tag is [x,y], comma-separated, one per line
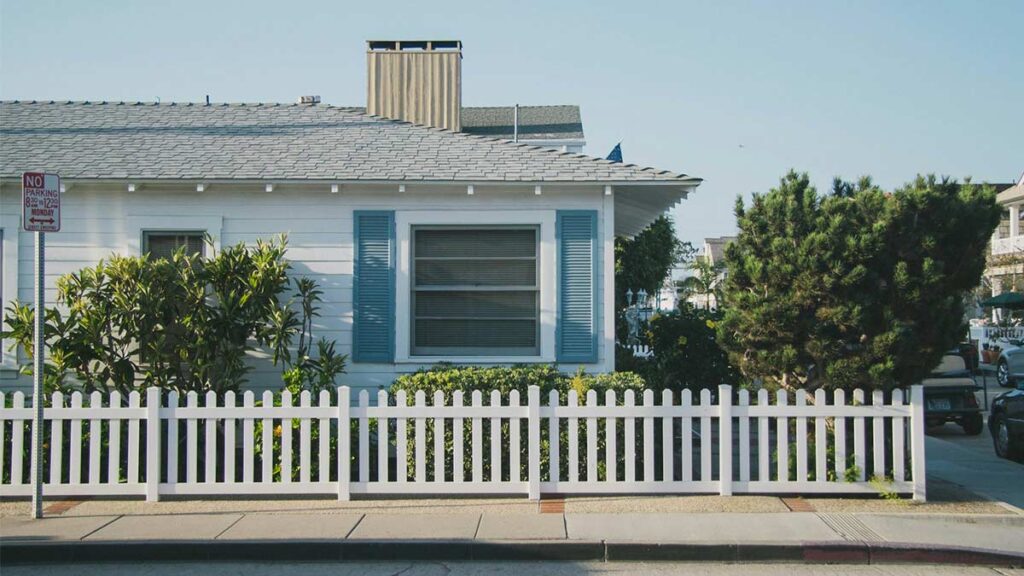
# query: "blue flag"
[616,154]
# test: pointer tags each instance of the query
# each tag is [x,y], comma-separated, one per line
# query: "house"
[1007,246]
[417,233]
[713,254]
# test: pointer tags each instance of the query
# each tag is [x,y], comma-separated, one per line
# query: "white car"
[1010,366]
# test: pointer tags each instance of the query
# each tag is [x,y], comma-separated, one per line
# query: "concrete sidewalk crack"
[354,526]
[479,520]
[404,570]
[237,520]
[112,520]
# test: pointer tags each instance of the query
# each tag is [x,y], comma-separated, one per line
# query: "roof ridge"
[167,103]
[508,106]
[541,149]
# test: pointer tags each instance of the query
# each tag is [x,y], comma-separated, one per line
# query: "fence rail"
[720,444]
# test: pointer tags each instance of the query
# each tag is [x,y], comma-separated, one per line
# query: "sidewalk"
[506,530]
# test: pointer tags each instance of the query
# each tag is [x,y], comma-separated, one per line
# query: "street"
[971,461]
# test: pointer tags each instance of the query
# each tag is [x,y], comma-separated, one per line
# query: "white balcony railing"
[1010,245]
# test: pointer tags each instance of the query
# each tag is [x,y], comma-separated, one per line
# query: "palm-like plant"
[705,281]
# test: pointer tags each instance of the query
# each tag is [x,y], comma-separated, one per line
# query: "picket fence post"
[533,423]
[153,456]
[917,441]
[344,445]
[725,440]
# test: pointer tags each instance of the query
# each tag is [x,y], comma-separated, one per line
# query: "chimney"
[417,81]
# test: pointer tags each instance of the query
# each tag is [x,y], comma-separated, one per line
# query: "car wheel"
[1005,448]
[973,425]
[1003,373]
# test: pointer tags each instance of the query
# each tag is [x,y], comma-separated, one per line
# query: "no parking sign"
[40,202]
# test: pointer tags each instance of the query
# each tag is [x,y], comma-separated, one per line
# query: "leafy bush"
[448,379]
[183,323]
[686,352]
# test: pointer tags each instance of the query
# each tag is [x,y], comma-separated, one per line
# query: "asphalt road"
[510,568]
[971,461]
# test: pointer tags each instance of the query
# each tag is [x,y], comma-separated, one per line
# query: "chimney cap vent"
[424,45]
[309,99]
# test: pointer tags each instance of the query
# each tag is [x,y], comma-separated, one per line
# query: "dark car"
[1007,423]
[949,396]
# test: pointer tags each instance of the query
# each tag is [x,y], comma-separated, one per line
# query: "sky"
[736,93]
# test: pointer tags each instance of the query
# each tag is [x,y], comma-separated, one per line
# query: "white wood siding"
[102,219]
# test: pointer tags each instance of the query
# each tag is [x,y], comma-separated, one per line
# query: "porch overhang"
[639,204]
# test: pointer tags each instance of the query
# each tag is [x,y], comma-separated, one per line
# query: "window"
[164,244]
[475,291]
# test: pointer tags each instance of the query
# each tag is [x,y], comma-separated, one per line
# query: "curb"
[56,552]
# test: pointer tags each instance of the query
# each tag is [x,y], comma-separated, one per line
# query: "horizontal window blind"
[165,244]
[475,292]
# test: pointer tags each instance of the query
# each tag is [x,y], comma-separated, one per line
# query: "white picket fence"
[617,446]
[641,350]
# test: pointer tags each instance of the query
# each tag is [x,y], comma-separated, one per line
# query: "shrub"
[448,379]
[182,323]
[686,352]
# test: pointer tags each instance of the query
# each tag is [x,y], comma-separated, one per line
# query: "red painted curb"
[904,553]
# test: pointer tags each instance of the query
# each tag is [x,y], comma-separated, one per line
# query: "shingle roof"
[1007,193]
[535,122]
[275,141]
[716,246]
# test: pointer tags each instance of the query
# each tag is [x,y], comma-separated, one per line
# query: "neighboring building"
[391,218]
[713,253]
[1006,260]
[714,250]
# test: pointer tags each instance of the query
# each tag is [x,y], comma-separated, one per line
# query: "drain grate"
[850,527]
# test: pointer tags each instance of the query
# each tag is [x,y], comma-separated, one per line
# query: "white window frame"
[477,227]
[543,220]
[143,225]
[147,233]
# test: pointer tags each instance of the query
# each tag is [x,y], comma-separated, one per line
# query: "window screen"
[164,244]
[475,292]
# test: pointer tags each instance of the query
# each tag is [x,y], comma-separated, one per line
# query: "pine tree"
[857,288]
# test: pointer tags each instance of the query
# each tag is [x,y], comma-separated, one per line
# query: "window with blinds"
[164,244]
[475,291]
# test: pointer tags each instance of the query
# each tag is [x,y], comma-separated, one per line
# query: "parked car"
[1010,365]
[949,396]
[1006,423]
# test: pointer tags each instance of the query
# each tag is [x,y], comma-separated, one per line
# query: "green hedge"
[449,378]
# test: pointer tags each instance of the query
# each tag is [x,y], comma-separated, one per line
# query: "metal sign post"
[40,213]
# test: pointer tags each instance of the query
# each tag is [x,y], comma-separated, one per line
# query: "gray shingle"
[535,122]
[116,140]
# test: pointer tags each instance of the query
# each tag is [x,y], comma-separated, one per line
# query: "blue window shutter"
[576,331]
[373,287]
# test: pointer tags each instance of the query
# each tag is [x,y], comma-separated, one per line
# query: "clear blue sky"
[734,92]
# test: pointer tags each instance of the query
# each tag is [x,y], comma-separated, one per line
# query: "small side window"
[164,244]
